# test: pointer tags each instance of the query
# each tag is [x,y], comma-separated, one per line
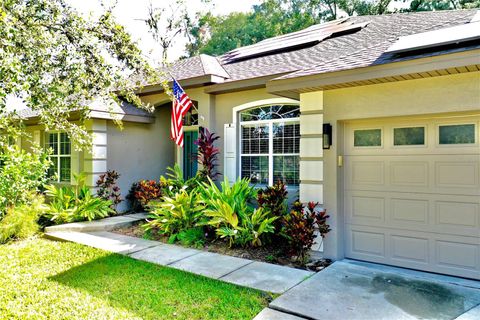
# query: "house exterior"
[375,117]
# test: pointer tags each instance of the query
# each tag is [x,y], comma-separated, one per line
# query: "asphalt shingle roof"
[122,109]
[352,50]
[197,66]
[362,48]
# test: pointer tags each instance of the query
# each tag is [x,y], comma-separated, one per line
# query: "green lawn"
[42,279]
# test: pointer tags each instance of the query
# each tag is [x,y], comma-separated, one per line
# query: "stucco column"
[206,113]
[311,151]
[95,159]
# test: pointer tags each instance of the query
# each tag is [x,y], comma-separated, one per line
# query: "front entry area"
[190,165]
[412,193]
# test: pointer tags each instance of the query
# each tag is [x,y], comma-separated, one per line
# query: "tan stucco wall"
[431,95]
[214,110]
[206,107]
[140,151]
[453,93]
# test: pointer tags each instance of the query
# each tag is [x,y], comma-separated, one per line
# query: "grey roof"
[358,49]
[309,36]
[197,66]
[111,107]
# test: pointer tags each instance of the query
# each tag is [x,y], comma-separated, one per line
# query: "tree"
[364,7]
[430,5]
[166,24]
[216,35]
[57,62]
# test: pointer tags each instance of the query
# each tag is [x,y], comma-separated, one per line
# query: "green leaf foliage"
[175,214]
[20,222]
[231,212]
[174,181]
[57,62]
[21,173]
[192,237]
[75,203]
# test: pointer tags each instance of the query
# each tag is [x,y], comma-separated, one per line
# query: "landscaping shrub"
[300,228]
[174,182]
[107,188]
[21,173]
[192,237]
[248,231]
[75,203]
[207,155]
[175,214]
[20,222]
[274,199]
[231,213]
[239,196]
[142,192]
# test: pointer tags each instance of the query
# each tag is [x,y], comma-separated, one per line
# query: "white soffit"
[446,36]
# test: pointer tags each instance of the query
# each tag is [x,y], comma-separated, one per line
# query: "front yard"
[42,279]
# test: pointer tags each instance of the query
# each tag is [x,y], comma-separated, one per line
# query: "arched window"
[270,144]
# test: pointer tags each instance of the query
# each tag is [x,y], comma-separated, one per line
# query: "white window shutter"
[230,161]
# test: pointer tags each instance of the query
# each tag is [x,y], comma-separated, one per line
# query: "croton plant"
[207,155]
[300,227]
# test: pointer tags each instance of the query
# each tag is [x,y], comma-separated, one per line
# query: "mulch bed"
[267,253]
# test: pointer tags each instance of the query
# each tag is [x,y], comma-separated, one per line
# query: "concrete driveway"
[357,290]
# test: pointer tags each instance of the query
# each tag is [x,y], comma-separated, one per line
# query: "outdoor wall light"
[327,135]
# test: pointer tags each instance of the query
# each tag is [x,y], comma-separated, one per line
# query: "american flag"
[180,106]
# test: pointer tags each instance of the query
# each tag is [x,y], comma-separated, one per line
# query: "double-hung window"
[270,144]
[61,158]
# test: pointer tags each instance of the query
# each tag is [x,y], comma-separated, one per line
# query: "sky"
[128,13]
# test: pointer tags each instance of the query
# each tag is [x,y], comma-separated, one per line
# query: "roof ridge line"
[207,66]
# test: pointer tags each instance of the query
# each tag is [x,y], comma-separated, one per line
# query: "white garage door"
[412,193]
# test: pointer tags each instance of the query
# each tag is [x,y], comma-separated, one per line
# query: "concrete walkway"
[252,274]
[359,290]
[106,224]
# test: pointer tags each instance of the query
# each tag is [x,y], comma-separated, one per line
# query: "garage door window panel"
[409,136]
[367,138]
[456,134]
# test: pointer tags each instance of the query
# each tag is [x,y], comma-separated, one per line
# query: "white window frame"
[425,136]
[270,153]
[457,123]
[382,138]
[58,155]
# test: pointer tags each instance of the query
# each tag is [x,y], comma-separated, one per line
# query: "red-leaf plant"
[299,227]
[207,155]
[142,192]
[108,188]
[274,199]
